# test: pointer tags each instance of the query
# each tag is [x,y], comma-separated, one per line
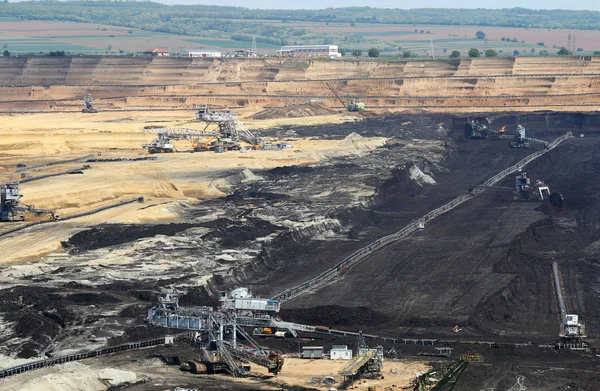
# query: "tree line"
[508,17]
[243,24]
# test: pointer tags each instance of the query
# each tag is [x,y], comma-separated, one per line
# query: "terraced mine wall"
[59,83]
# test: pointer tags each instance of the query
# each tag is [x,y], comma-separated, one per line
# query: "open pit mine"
[244,224]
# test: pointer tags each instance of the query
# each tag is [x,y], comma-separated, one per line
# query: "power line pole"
[431,51]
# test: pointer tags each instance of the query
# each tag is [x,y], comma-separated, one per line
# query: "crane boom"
[337,96]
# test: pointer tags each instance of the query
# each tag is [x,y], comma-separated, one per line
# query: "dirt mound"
[293,110]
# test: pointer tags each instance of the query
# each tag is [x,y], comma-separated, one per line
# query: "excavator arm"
[337,96]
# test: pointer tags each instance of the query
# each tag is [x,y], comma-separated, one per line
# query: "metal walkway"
[358,256]
[79,356]
[93,211]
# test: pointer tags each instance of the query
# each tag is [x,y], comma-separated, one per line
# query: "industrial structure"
[218,330]
[479,128]
[522,141]
[350,104]
[230,135]
[445,378]
[572,331]
[525,190]
[11,207]
[367,363]
[88,105]
[162,143]
[231,129]
[200,53]
[330,51]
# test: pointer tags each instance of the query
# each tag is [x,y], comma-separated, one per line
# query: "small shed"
[312,352]
[340,352]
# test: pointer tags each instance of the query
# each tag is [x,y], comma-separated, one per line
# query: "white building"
[200,53]
[340,352]
[330,51]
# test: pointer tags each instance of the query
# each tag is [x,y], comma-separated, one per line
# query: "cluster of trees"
[474,53]
[513,17]
[373,52]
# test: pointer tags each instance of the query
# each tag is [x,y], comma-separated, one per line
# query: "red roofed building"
[157,52]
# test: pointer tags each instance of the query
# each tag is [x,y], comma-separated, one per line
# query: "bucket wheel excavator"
[11,207]
[525,190]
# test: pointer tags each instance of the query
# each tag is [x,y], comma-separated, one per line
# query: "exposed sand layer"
[526,83]
[170,71]
[167,183]
[397,374]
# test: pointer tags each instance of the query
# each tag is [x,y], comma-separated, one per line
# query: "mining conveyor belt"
[559,293]
[537,75]
[353,368]
[456,77]
[358,256]
[37,178]
[102,111]
[188,321]
[365,96]
[80,356]
[90,212]
[290,96]
[77,159]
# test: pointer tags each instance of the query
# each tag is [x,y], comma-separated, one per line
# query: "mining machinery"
[479,128]
[88,105]
[525,190]
[522,141]
[231,129]
[164,136]
[11,207]
[219,331]
[367,363]
[351,104]
[572,330]
[445,378]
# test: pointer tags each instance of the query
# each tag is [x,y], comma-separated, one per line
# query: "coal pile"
[115,234]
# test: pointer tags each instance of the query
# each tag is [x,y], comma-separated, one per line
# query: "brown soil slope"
[41,83]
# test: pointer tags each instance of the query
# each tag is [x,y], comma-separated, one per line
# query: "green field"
[231,44]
